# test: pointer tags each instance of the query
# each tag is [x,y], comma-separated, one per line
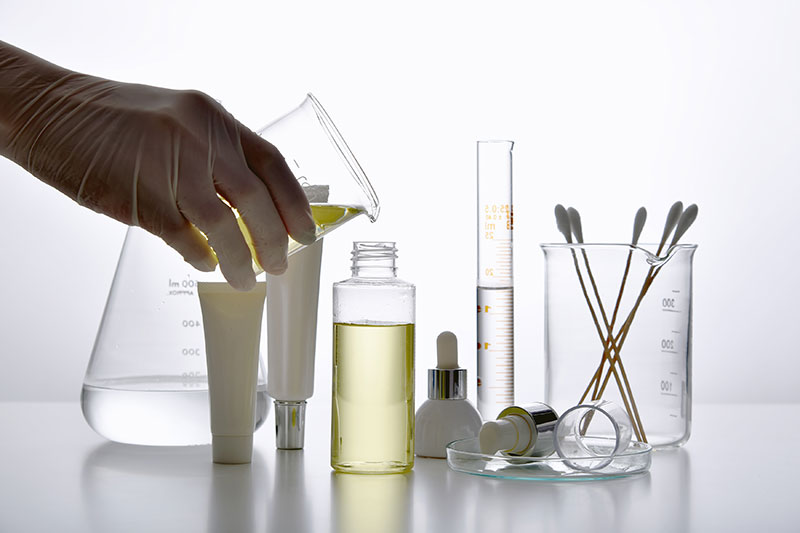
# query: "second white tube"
[292,300]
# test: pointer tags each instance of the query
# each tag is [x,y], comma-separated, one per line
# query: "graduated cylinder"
[495,278]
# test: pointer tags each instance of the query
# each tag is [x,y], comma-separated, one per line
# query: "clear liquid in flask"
[155,410]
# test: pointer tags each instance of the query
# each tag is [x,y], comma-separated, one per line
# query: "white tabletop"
[738,472]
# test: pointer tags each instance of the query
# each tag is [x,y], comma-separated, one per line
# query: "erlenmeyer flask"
[146,382]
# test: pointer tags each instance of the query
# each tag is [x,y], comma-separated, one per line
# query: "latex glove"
[154,158]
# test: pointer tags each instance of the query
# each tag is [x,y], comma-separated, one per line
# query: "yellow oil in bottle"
[373,398]
[326,217]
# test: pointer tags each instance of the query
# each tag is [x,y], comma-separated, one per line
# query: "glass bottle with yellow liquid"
[372,419]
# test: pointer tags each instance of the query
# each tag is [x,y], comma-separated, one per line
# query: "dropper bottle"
[446,415]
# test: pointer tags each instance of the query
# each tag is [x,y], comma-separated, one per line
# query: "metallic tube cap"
[290,425]
[447,383]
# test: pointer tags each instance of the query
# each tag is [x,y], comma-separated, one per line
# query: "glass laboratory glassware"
[146,381]
[320,159]
[495,292]
[466,456]
[574,429]
[644,364]
[372,414]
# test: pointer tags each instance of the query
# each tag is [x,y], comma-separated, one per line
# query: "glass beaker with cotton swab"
[635,302]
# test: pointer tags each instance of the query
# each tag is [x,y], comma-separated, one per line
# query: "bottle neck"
[374,260]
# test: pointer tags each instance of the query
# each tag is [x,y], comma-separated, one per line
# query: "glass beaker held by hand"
[318,156]
[146,381]
[618,326]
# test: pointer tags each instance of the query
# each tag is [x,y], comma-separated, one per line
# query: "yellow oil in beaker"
[326,218]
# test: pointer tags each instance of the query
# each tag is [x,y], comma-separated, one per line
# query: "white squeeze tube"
[232,327]
[292,300]
[495,279]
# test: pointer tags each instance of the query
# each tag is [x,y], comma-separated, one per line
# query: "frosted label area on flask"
[495,350]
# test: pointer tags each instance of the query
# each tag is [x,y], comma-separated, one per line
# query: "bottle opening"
[371,258]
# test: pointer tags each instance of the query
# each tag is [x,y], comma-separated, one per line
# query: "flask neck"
[374,260]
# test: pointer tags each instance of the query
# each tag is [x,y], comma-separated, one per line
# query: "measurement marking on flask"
[184,287]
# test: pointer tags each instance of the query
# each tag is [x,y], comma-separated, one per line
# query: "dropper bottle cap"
[447,381]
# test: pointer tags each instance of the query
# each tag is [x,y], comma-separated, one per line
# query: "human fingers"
[288,197]
[130,187]
[188,241]
[197,200]
[251,198]
[217,222]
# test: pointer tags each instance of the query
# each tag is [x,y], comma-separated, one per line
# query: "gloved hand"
[156,158]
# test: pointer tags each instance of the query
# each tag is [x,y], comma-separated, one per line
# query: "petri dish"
[465,456]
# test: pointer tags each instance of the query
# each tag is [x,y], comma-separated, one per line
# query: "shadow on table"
[153,488]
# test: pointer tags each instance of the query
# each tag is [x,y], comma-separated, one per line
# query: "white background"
[612,105]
